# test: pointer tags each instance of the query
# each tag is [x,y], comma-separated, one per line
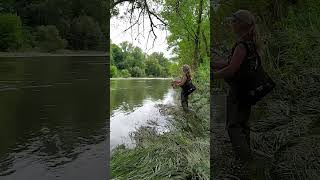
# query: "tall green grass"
[287,124]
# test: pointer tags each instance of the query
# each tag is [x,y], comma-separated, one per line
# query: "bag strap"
[248,52]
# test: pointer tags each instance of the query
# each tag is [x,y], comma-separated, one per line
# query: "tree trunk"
[196,56]
[206,44]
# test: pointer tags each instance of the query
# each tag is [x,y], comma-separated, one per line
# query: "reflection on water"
[133,103]
[53,123]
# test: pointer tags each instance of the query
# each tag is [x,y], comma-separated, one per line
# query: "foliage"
[48,38]
[286,124]
[182,24]
[124,73]
[153,68]
[139,64]
[10,32]
[63,14]
[113,71]
[86,34]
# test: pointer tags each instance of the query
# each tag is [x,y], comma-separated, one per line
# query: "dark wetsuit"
[238,111]
[184,96]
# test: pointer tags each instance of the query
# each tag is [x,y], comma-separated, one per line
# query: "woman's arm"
[183,80]
[236,60]
[219,62]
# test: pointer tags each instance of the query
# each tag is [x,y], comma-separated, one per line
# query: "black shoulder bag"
[256,83]
[189,87]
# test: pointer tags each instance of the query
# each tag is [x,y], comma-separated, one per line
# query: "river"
[53,122]
[135,103]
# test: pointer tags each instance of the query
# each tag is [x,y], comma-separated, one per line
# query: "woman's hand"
[182,81]
[236,60]
[219,64]
[175,83]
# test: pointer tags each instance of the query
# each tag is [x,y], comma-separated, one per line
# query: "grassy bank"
[181,153]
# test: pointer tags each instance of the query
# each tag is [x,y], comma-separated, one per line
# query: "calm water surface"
[134,102]
[53,122]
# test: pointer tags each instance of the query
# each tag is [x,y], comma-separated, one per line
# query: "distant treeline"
[130,61]
[53,24]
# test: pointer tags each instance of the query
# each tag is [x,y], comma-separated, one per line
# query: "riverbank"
[130,78]
[180,153]
[55,54]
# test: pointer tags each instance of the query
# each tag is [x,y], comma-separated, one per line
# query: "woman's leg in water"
[239,131]
[184,101]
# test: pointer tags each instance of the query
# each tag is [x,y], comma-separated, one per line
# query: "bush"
[49,39]
[113,71]
[10,32]
[153,68]
[28,37]
[137,72]
[125,73]
[86,34]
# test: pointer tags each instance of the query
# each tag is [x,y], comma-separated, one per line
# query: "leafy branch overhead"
[187,21]
[140,10]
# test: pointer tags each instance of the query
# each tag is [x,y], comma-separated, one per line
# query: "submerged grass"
[180,153]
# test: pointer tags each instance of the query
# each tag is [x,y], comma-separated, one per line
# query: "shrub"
[10,32]
[125,73]
[86,34]
[137,72]
[113,71]
[48,38]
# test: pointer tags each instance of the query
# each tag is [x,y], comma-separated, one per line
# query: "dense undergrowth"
[286,124]
[180,153]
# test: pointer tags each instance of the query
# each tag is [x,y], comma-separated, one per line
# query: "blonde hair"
[252,30]
[186,70]
[254,35]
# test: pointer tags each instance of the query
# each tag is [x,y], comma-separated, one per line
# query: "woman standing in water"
[183,83]
[244,57]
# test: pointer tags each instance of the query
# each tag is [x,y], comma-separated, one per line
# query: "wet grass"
[180,153]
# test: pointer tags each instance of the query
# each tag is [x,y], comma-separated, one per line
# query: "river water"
[53,122]
[135,103]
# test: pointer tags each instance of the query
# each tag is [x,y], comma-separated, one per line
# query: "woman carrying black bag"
[187,87]
[248,82]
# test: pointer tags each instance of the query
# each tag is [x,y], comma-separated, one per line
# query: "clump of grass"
[169,156]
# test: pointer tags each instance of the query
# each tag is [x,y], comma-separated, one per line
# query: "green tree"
[63,14]
[117,57]
[10,32]
[153,68]
[189,29]
[125,73]
[48,38]
[137,71]
[162,61]
[86,34]
[113,71]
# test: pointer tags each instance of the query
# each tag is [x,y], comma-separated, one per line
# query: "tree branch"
[114,4]
[151,14]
